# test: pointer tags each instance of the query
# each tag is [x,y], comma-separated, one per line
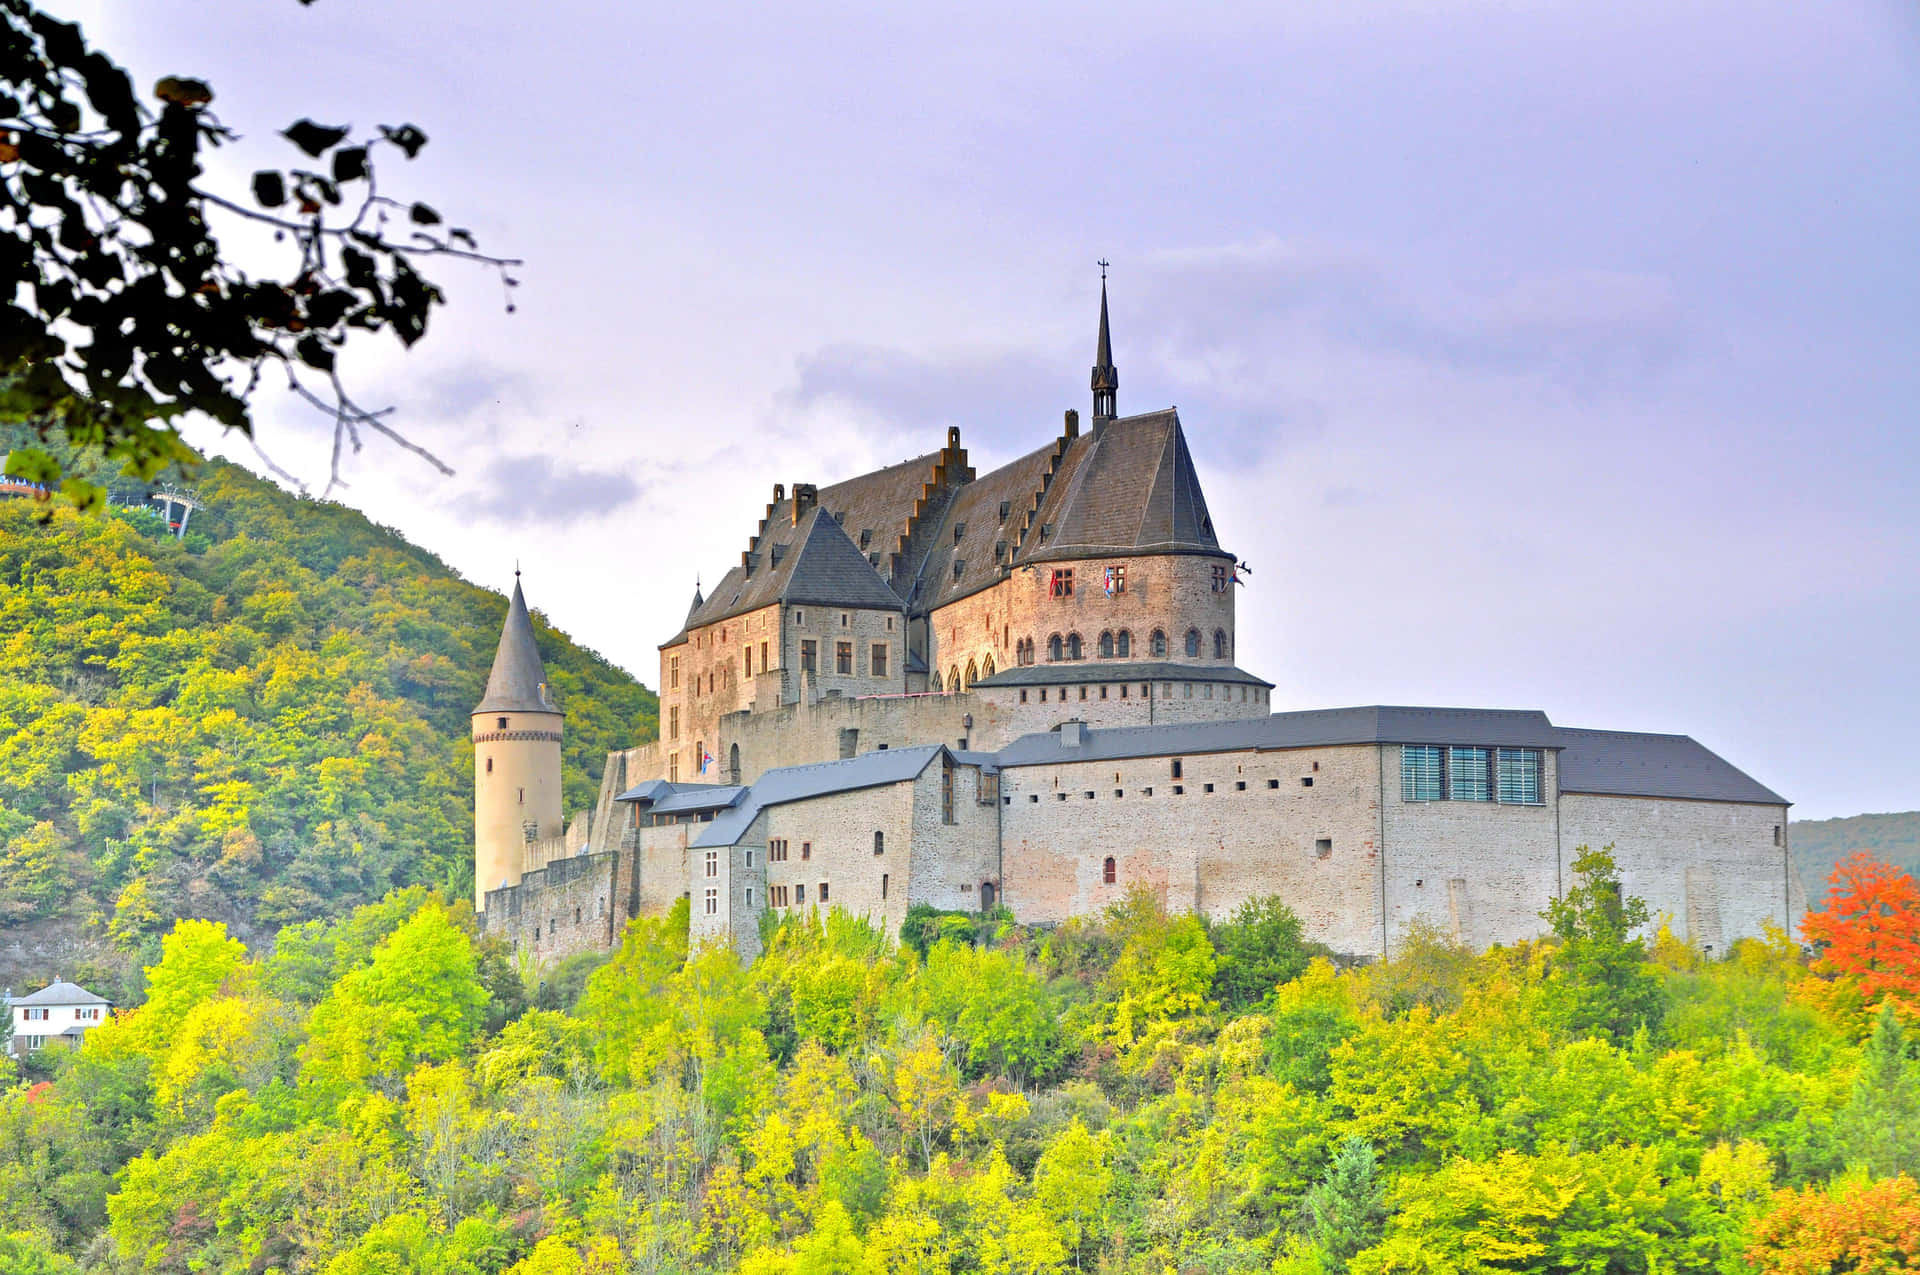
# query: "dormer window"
[866,537]
[959,530]
[959,566]
[1006,509]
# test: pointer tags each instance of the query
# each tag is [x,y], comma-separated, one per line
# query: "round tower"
[516,758]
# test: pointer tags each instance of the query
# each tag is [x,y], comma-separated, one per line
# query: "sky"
[1533,354]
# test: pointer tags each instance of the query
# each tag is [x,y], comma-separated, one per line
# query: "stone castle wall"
[571,905]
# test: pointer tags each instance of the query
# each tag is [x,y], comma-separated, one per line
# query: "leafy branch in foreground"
[119,311]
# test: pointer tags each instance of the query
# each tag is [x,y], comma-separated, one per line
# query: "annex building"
[931,685]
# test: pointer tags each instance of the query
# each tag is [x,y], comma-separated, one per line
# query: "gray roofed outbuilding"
[798,783]
[61,993]
[1628,764]
[518,680]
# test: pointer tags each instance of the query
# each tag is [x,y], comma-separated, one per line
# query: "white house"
[59,1012]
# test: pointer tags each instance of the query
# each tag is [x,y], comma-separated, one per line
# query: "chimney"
[805,497]
[1073,423]
[1073,734]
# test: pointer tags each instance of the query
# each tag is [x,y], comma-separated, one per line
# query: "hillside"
[263,724]
[1818,844]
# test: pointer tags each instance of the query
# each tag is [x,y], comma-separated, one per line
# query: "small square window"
[1119,792]
[1146,792]
[1206,788]
[1323,847]
[1273,783]
[1060,796]
[1306,781]
[1239,785]
[1179,790]
[1033,796]
[1089,794]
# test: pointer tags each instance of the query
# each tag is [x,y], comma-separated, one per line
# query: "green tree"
[1346,1208]
[1601,980]
[1879,1128]
[1261,947]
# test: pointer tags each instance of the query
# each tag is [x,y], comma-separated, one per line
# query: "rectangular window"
[1776,834]
[1467,778]
[1221,580]
[746,661]
[673,672]
[799,618]
[843,658]
[673,722]
[777,850]
[764,665]
[1518,775]
[806,851]
[883,885]
[749,896]
[800,893]
[822,896]
[808,657]
[749,856]
[1323,848]
[879,842]
[946,794]
[673,768]
[713,863]
[877,659]
[713,901]
[1063,582]
[776,896]
[1420,772]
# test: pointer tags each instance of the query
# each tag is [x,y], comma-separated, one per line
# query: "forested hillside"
[1819,844]
[263,724]
[1136,1093]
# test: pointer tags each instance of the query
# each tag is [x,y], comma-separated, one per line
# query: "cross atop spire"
[1106,377]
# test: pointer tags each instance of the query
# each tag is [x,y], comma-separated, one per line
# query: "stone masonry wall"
[1203,850]
[948,863]
[827,627]
[570,906]
[1170,592]
[1715,868]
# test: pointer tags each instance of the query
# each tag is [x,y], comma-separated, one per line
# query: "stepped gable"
[518,682]
[1128,486]
[812,562]
[975,513]
[892,513]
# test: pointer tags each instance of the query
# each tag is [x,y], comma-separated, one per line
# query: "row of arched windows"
[1113,644]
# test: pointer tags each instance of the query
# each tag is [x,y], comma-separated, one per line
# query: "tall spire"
[1106,377]
[518,682]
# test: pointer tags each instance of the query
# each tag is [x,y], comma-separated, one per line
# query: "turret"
[516,757]
[1106,377]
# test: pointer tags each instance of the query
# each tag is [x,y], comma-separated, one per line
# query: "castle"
[928,685]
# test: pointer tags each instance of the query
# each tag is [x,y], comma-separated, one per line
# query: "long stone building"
[928,685]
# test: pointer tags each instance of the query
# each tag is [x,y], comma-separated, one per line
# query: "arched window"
[1055,647]
[733,764]
[973,675]
[986,670]
[986,896]
[1073,646]
[953,679]
[1123,644]
[1159,644]
[1108,872]
[936,683]
[1106,645]
[1219,644]
[1193,644]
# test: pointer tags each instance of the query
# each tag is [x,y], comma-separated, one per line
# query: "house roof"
[663,797]
[1128,487]
[61,993]
[1629,764]
[1376,724]
[810,562]
[1093,672]
[518,680]
[798,783]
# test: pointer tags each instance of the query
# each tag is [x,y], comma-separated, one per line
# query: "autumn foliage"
[1868,934]
[1867,1228]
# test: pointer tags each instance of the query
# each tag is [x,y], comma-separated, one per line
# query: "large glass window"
[1467,778]
[1420,773]
[1518,775]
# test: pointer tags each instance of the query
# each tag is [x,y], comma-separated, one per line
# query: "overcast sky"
[1535,355]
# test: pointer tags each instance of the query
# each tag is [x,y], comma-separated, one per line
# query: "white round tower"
[516,758]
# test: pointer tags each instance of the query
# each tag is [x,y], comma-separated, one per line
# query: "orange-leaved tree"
[1868,935]
[1856,1226]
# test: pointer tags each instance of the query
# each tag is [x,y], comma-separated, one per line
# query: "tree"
[1860,1227]
[1261,947]
[138,316]
[1345,1210]
[1868,933]
[1878,1130]
[1601,982]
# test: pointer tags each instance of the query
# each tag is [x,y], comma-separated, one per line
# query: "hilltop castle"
[927,685]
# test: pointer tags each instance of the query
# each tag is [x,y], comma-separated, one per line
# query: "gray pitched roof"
[1323,727]
[1094,672]
[1628,764]
[975,515]
[797,783]
[810,562]
[518,682]
[61,993]
[663,797]
[1129,487]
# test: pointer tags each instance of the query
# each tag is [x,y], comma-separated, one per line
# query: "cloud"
[532,489]
[996,397]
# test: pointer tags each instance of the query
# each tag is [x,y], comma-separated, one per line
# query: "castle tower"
[1106,377]
[516,757]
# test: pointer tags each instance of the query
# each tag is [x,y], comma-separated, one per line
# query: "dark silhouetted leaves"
[349,163]
[314,138]
[314,353]
[406,137]
[269,188]
[181,91]
[424,216]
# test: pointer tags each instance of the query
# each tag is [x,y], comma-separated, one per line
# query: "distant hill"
[1818,844]
[262,724]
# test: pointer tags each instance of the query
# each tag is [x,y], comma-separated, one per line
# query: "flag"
[706,760]
[1109,581]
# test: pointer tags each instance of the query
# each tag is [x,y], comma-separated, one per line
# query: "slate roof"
[1628,764]
[1377,724]
[663,797]
[1093,672]
[975,511]
[518,681]
[881,503]
[1129,487]
[62,993]
[813,563]
[798,783]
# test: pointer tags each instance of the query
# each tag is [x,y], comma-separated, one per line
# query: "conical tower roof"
[518,682]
